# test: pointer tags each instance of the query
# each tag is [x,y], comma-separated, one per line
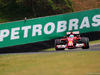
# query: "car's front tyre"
[58,42]
[86,42]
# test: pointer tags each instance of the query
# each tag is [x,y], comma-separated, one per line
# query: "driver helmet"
[71,36]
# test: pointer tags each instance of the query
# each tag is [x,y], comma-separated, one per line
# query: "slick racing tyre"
[58,42]
[86,42]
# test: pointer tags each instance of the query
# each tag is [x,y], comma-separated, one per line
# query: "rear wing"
[74,33]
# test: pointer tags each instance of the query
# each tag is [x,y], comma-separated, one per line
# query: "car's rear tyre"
[86,42]
[58,42]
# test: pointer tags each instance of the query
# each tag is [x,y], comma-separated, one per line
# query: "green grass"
[95,42]
[60,63]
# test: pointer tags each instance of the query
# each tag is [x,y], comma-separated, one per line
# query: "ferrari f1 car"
[72,41]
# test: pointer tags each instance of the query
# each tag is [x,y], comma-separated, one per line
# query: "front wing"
[66,46]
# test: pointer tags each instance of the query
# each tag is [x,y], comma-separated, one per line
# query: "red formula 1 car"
[71,41]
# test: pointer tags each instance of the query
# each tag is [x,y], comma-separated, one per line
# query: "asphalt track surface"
[95,47]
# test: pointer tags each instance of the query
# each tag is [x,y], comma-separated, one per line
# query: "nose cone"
[70,43]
